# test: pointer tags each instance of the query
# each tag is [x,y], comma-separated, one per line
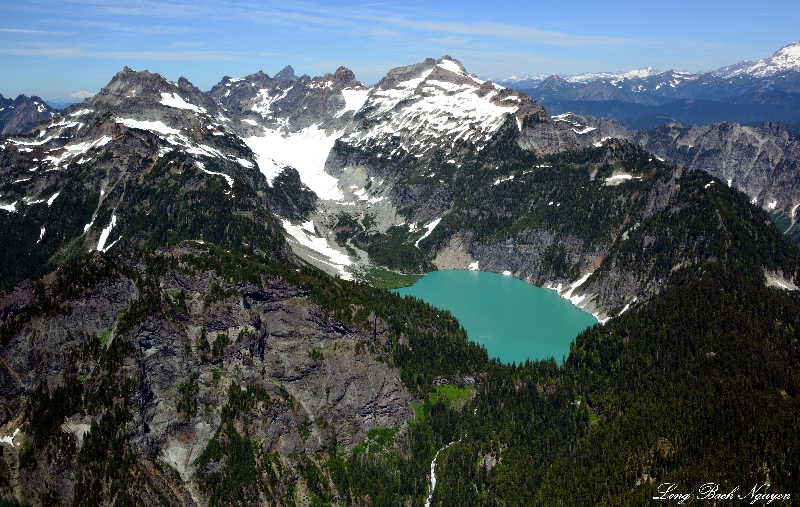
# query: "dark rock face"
[290,197]
[132,91]
[760,161]
[287,74]
[23,113]
[523,255]
[549,137]
[234,92]
[288,103]
[319,382]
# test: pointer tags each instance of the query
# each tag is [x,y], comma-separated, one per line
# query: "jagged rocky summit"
[23,113]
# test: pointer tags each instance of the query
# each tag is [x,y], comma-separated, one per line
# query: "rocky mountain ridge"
[758,161]
[77,183]
[23,113]
[363,177]
[784,60]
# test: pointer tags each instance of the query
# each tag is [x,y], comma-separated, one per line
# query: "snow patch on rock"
[305,151]
[176,101]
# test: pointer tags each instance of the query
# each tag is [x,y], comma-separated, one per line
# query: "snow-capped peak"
[431,104]
[632,74]
[448,63]
[640,73]
[785,59]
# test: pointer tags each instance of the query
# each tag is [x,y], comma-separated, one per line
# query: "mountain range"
[364,179]
[193,314]
[745,92]
[648,80]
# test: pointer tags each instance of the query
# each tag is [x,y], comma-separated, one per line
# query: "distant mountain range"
[786,59]
[532,81]
[746,92]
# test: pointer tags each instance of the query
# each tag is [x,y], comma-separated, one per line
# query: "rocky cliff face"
[759,161]
[137,93]
[300,377]
[288,104]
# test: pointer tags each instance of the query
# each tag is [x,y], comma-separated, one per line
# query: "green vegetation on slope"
[386,279]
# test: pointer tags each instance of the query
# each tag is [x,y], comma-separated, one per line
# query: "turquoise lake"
[514,320]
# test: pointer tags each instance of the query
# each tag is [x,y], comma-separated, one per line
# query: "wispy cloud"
[380,17]
[110,26]
[369,17]
[32,32]
[65,52]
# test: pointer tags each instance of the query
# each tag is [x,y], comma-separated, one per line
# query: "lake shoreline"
[515,320]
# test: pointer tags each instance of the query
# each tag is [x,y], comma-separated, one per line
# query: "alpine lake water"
[513,319]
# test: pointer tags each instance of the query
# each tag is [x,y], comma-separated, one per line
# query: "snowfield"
[332,257]
[305,150]
[176,101]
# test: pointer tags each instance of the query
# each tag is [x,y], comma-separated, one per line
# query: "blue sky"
[53,48]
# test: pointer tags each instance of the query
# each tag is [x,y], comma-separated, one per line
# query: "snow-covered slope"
[430,105]
[293,122]
[305,150]
[785,59]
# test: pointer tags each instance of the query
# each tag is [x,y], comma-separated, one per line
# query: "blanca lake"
[513,319]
